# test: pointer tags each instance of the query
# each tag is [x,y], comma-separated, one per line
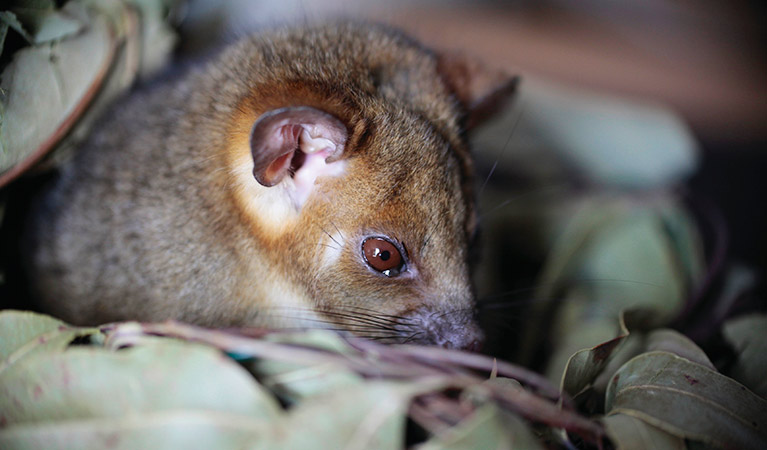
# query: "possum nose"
[468,337]
[455,329]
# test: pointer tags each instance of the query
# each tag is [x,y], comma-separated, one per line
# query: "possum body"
[308,177]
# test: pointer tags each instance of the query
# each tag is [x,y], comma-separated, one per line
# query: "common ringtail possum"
[308,177]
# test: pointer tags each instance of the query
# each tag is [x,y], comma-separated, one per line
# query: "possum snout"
[456,329]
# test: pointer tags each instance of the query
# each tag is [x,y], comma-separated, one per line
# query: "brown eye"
[382,256]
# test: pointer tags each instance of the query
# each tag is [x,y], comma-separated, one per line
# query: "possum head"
[355,178]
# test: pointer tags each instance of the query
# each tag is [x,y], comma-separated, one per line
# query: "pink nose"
[473,344]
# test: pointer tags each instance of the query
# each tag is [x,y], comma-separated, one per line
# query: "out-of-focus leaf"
[618,253]
[365,416]
[54,26]
[671,341]
[296,382]
[585,365]
[748,336]
[169,430]
[609,140]
[47,88]
[688,400]
[685,241]
[26,334]
[9,20]
[615,254]
[157,37]
[87,382]
[487,428]
[629,433]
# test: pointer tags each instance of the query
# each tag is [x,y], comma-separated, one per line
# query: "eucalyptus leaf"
[89,382]
[629,433]
[366,416]
[297,382]
[18,328]
[672,341]
[9,19]
[173,429]
[55,25]
[610,140]
[157,37]
[47,89]
[748,336]
[487,428]
[688,400]
[617,251]
[585,365]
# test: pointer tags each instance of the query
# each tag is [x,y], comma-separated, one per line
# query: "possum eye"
[383,256]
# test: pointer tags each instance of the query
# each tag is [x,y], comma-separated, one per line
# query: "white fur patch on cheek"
[285,307]
[333,246]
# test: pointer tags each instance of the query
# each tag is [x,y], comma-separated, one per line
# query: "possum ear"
[297,141]
[481,91]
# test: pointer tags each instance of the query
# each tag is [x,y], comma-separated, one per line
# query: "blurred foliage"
[73,61]
[131,385]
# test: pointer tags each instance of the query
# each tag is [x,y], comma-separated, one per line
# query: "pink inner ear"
[295,141]
[277,168]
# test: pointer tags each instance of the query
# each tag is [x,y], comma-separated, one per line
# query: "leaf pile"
[124,386]
[595,199]
[167,385]
[76,59]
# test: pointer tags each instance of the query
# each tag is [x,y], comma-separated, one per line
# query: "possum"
[316,176]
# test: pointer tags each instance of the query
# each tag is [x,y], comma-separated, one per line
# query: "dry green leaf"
[88,382]
[54,25]
[297,382]
[688,400]
[358,417]
[748,335]
[487,428]
[161,430]
[671,341]
[47,88]
[585,365]
[629,433]
[26,334]
[9,20]
[157,37]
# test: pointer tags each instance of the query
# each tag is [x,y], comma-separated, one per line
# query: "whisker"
[378,314]
[360,321]
[337,229]
[367,316]
[503,149]
[331,237]
[412,337]
[537,191]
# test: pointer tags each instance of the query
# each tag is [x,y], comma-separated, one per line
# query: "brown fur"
[157,219]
